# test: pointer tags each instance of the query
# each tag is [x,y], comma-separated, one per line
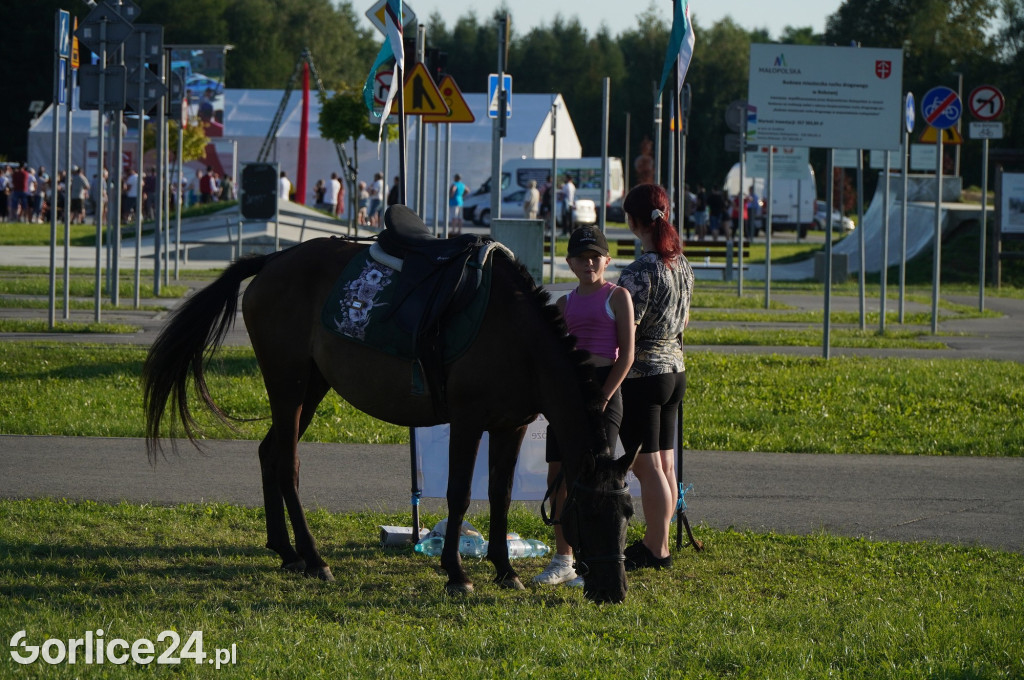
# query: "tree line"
[944,41]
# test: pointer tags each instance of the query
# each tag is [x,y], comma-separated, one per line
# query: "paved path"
[901,498]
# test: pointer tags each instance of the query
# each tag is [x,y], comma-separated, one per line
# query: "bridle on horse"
[580,553]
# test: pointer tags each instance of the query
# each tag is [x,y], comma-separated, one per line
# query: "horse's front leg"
[464,441]
[502,455]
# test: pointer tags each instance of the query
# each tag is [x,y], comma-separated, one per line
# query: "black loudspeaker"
[259,191]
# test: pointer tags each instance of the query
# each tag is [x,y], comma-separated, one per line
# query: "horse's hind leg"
[279,461]
[502,455]
[273,507]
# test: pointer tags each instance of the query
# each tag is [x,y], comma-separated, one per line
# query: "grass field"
[749,606]
[734,402]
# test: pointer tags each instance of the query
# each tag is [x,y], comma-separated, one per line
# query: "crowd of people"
[713,213]
[634,334]
[25,193]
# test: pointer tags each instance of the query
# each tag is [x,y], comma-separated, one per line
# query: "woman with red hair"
[660,282]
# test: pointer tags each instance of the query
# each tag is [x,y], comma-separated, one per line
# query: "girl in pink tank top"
[600,315]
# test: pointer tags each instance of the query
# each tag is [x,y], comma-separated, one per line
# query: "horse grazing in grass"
[519,364]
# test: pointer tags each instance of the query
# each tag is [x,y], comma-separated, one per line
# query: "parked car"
[584,212]
[613,212]
[197,86]
[840,222]
[511,206]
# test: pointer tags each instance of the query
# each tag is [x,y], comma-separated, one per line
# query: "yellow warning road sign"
[74,47]
[421,94]
[949,136]
[458,109]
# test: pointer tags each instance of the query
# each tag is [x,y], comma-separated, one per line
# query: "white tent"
[248,115]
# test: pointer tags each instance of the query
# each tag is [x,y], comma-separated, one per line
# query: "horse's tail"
[193,334]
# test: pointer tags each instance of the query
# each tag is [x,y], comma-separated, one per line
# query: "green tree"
[193,144]
[1011,68]
[943,43]
[718,76]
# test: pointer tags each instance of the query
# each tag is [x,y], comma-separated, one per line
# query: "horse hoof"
[512,583]
[298,566]
[323,573]
[458,589]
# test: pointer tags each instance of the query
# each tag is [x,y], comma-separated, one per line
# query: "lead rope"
[555,483]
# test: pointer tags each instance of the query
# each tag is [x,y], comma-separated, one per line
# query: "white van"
[517,173]
[792,199]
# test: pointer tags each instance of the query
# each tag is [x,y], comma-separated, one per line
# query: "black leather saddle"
[439,277]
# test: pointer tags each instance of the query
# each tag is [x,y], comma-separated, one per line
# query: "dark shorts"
[612,419]
[650,407]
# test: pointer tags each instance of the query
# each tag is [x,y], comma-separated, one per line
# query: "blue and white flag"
[393,48]
[680,45]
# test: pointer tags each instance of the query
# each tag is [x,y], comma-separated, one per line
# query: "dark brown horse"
[520,364]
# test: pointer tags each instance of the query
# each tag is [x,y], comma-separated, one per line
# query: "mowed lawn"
[749,606]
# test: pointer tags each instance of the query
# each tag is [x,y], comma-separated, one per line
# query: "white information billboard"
[788,162]
[1012,194]
[826,97]
[923,157]
[845,158]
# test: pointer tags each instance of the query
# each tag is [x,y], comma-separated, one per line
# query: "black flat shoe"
[639,556]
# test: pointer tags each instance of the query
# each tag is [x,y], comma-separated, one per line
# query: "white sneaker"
[576,582]
[556,572]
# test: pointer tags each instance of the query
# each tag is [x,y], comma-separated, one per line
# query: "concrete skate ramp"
[920,227]
[920,221]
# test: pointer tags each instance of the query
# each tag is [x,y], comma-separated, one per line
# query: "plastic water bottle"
[529,547]
[430,546]
[470,545]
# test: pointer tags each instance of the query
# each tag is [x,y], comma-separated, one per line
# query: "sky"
[620,15]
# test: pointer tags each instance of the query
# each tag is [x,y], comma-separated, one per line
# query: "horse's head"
[594,519]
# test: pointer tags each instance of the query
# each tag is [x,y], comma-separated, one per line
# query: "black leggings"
[612,418]
[650,406]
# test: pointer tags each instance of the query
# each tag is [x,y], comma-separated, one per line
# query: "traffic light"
[437,63]
[259,191]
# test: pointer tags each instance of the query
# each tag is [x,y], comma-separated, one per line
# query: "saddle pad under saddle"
[361,307]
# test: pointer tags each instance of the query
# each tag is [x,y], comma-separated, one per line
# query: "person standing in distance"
[284,187]
[600,315]
[456,194]
[660,283]
[531,201]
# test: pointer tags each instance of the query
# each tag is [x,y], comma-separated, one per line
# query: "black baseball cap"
[587,238]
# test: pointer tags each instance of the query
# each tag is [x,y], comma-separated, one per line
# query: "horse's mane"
[585,372]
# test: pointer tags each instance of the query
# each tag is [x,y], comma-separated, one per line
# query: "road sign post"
[908,122]
[941,109]
[986,103]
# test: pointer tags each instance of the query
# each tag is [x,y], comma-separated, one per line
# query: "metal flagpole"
[399,73]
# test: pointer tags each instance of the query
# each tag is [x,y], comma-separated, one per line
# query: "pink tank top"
[591,319]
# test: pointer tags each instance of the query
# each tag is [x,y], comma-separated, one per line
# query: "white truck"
[792,199]
[517,173]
